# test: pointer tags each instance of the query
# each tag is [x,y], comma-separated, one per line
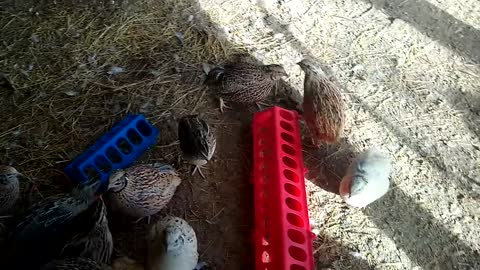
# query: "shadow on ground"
[435,23]
[438,247]
[414,230]
[449,31]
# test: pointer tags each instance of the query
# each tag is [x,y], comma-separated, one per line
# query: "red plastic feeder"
[282,235]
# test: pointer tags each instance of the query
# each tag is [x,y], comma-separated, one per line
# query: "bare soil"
[410,76]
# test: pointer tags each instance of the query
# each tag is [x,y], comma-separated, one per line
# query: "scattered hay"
[76,69]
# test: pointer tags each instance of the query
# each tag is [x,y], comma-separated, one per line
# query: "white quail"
[367,179]
[172,245]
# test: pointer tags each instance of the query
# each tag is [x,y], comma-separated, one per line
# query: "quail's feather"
[95,243]
[244,82]
[323,106]
[75,264]
[142,190]
[197,141]
[367,179]
[51,222]
[9,187]
[172,245]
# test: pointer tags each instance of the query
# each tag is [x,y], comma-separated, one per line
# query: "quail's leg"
[199,169]
[222,105]
[140,219]
[261,103]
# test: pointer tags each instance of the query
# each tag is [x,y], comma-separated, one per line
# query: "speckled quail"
[9,187]
[142,190]
[51,222]
[197,141]
[172,245]
[242,81]
[367,178]
[95,243]
[323,106]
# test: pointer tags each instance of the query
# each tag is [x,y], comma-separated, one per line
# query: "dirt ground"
[410,76]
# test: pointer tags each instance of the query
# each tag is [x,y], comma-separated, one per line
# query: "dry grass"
[58,60]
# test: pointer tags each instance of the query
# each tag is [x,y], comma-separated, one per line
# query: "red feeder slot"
[282,235]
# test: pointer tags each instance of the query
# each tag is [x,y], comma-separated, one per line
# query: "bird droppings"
[71,93]
[35,38]
[114,70]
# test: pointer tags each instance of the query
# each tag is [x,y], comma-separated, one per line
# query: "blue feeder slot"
[117,149]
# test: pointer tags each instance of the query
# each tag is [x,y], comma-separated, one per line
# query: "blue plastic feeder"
[117,149]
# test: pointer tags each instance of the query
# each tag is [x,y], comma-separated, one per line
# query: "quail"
[9,187]
[242,81]
[367,179]
[51,222]
[172,245]
[142,190]
[323,106]
[95,243]
[197,141]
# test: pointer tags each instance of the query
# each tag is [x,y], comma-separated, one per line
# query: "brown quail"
[244,82]
[142,190]
[197,141]
[323,106]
